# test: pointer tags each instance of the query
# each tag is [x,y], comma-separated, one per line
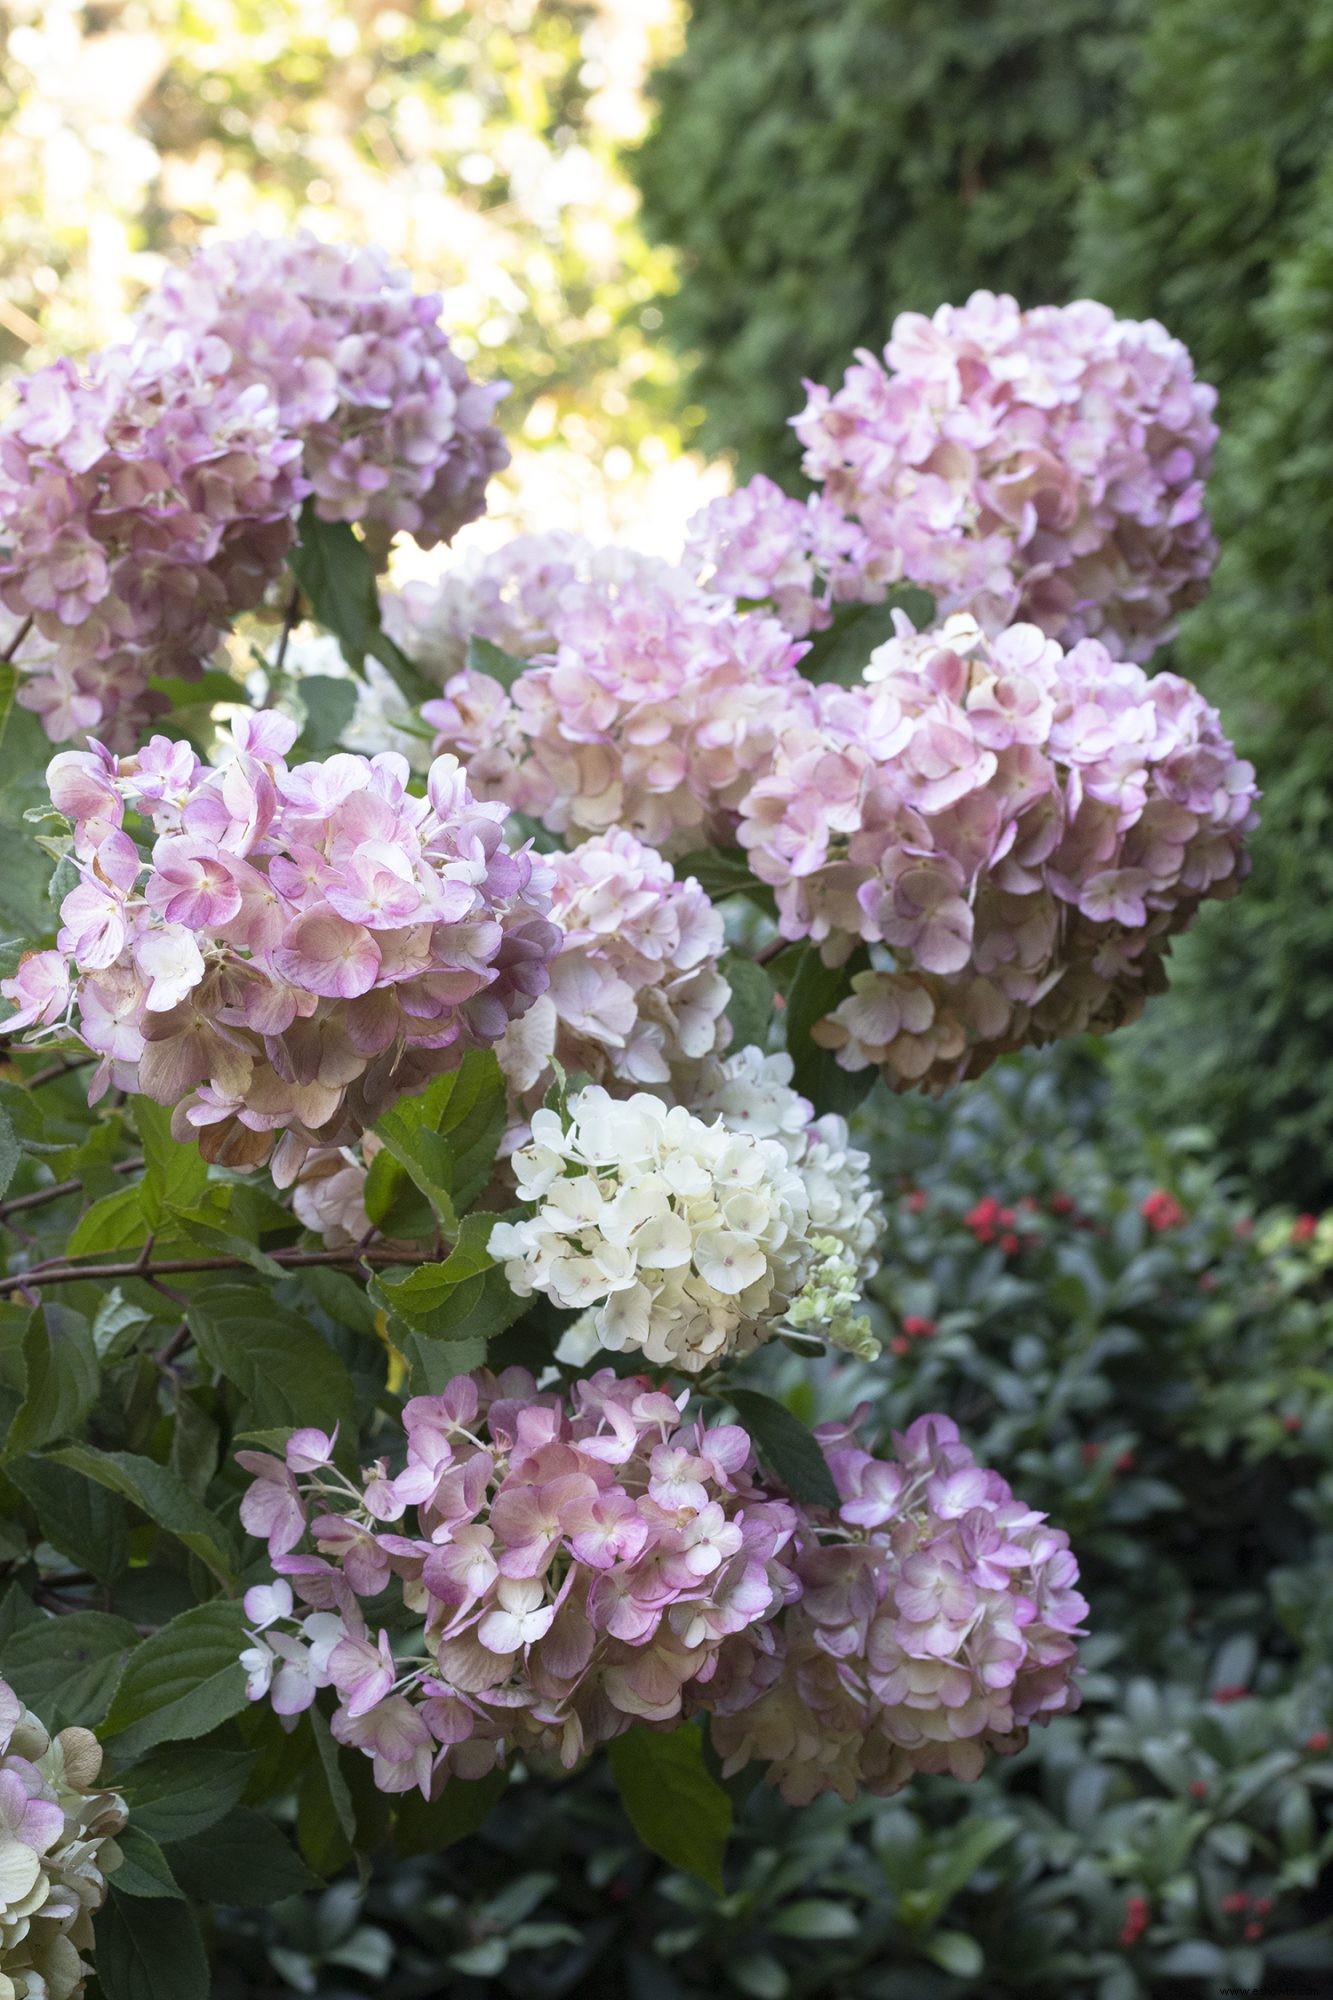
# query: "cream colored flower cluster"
[679,1239]
[57,1847]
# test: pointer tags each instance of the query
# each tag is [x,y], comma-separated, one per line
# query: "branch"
[290,619]
[56,1069]
[17,640]
[41,1196]
[56,1273]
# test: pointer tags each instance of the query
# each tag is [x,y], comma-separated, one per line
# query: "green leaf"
[722,872]
[815,990]
[116,1222]
[60,1378]
[175,1174]
[163,1497]
[678,1811]
[750,1008]
[78,1516]
[144,1869]
[842,653]
[786,1446]
[339,1797]
[180,1791]
[465,1299]
[183,1681]
[956,1952]
[394,1202]
[447,1138]
[483,657]
[334,568]
[149,1951]
[329,706]
[10,1153]
[245,1860]
[65,1668]
[286,1372]
[422,1826]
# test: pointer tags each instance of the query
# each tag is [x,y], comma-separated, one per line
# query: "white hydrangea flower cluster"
[752,1092]
[679,1239]
[56,1850]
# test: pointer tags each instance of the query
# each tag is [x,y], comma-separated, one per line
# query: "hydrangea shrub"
[429,1113]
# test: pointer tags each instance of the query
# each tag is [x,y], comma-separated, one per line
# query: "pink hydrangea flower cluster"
[571,1566]
[145,498]
[636,997]
[568,1568]
[300,946]
[394,431]
[512,597]
[1017,830]
[802,556]
[654,712]
[1045,465]
[934,1620]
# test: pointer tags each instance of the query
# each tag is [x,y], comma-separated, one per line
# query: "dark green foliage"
[822,168]
[1225,162]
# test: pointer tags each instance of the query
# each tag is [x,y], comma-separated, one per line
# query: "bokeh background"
[1112,1266]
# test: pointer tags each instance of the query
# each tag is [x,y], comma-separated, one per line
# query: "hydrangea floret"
[293,947]
[935,1619]
[57,1847]
[1016,831]
[1045,466]
[637,998]
[759,545]
[146,497]
[655,711]
[393,431]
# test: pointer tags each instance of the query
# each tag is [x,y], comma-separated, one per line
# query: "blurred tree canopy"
[821,169]
[818,168]
[475,140]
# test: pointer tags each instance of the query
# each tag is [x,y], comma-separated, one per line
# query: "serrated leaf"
[183,1681]
[446,1139]
[678,1811]
[60,1378]
[149,1951]
[66,1668]
[116,1222]
[787,1447]
[144,1869]
[179,1792]
[164,1498]
[244,1859]
[78,1516]
[283,1368]
[175,1174]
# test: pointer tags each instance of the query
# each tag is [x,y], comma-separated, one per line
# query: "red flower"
[1161,1211]
[1234,1904]
[915,1201]
[1126,1462]
[1230,1693]
[899,1345]
[1303,1228]
[917,1327]
[1292,1424]
[1198,1789]
[1137,1910]
[1319,1741]
[1062,1204]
